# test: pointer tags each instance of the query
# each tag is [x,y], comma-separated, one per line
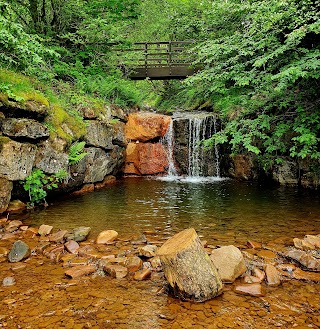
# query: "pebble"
[9,281]
[142,275]
[20,250]
[254,289]
[78,271]
[272,276]
[107,236]
[148,251]
[45,230]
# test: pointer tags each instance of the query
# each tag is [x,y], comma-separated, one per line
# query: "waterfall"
[168,141]
[183,143]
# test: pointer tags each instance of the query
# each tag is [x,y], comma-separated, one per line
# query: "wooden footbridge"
[160,60]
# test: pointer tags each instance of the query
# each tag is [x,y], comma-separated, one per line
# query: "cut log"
[188,268]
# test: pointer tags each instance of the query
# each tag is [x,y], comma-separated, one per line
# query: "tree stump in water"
[188,268]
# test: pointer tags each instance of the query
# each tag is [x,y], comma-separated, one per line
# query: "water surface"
[217,209]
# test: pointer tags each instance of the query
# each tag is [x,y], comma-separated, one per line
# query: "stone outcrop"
[145,126]
[99,134]
[16,159]
[24,128]
[5,193]
[50,160]
[145,159]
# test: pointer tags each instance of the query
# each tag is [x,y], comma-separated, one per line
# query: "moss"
[4,140]
[64,125]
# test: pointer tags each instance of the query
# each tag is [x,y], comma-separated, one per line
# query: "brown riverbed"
[43,297]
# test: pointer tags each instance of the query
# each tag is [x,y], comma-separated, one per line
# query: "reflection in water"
[215,209]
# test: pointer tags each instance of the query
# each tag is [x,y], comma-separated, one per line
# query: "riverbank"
[49,289]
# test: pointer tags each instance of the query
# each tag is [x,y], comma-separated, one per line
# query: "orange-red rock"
[116,271]
[78,271]
[254,289]
[273,276]
[142,275]
[145,159]
[107,236]
[133,264]
[304,275]
[144,126]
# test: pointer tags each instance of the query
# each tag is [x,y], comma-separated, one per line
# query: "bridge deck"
[160,60]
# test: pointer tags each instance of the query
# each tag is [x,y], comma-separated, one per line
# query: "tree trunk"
[188,268]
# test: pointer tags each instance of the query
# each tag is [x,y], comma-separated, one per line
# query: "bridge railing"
[159,60]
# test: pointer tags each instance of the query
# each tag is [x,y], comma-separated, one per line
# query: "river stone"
[45,230]
[78,271]
[304,275]
[13,226]
[5,193]
[72,246]
[79,234]
[58,237]
[260,275]
[313,239]
[148,251]
[9,281]
[107,236]
[49,160]
[142,275]
[24,128]
[229,262]
[16,159]
[304,259]
[116,271]
[254,289]
[134,264]
[16,206]
[273,276]
[20,250]
[98,134]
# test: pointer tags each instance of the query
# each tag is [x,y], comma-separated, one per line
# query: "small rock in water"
[273,276]
[254,289]
[20,250]
[16,206]
[304,259]
[58,237]
[45,230]
[148,251]
[134,264]
[107,236]
[258,274]
[13,226]
[8,281]
[116,271]
[313,239]
[229,262]
[142,275]
[72,246]
[78,271]
[304,275]
[79,234]
[156,264]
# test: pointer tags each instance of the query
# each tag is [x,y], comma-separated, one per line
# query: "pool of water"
[220,210]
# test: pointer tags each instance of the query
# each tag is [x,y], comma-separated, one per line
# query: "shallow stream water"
[217,209]
[222,211]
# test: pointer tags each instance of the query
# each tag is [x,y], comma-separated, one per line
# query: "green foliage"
[76,153]
[37,184]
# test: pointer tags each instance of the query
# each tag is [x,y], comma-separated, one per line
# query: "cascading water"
[183,142]
[168,141]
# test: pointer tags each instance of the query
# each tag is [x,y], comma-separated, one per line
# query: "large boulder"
[229,262]
[49,159]
[99,134]
[145,159]
[144,126]
[24,128]
[98,165]
[16,159]
[5,194]
[286,173]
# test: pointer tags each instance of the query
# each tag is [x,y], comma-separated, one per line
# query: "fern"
[76,153]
